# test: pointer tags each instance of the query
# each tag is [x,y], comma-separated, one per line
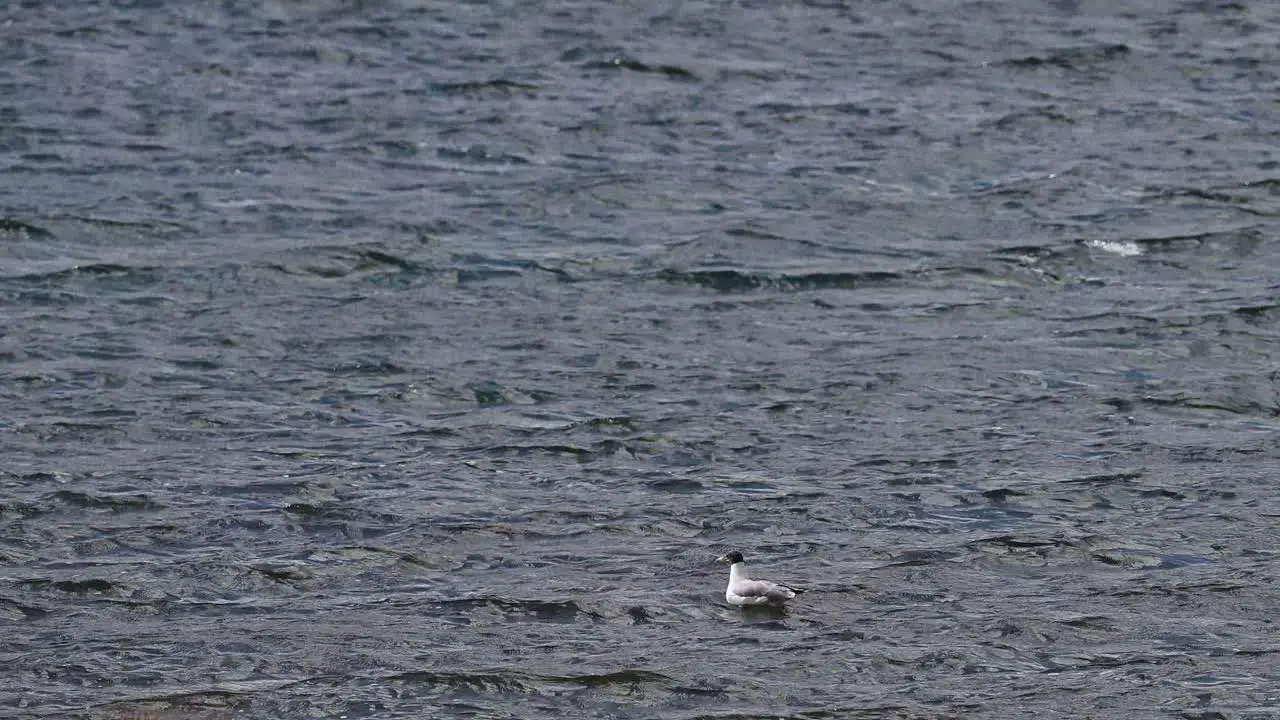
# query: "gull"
[743,591]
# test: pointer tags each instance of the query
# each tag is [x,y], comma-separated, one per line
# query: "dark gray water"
[399,359]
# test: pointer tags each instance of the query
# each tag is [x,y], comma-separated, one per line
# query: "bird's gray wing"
[764,589]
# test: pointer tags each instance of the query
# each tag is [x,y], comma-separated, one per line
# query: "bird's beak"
[723,559]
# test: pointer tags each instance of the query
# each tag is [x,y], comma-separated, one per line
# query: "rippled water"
[397,359]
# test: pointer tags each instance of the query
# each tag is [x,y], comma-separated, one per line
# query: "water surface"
[400,359]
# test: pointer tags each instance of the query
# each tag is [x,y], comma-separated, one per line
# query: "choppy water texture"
[392,360]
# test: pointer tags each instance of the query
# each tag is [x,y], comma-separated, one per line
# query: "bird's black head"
[732,558]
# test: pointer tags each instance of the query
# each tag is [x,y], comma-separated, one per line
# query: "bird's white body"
[743,591]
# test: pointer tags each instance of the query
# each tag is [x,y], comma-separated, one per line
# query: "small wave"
[500,86]
[78,587]
[519,610]
[118,503]
[9,226]
[16,610]
[1076,58]
[673,72]
[741,281]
